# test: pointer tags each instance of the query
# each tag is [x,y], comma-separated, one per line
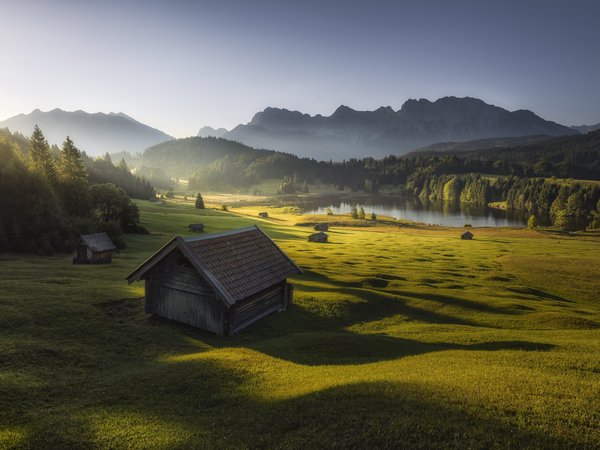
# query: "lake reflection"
[413,208]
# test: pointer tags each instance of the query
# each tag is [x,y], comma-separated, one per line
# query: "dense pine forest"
[50,195]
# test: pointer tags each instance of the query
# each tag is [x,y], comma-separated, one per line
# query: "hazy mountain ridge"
[583,129]
[207,131]
[572,156]
[350,133]
[216,163]
[94,133]
[182,157]
[477,144]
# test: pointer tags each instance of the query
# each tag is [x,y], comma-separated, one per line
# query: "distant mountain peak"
[342,109]
[207,131]
[385,109]
[95,133]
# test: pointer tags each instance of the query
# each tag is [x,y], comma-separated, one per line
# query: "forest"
[535,179]
[51,196]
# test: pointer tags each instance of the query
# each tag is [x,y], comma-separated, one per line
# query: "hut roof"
[320,235]
[99,242]
[467,234]
[236,263]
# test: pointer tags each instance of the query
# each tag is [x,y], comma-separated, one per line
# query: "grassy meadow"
[400,337]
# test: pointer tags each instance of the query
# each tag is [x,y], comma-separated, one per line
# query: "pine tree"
[199,201]
[373,216]
[39,152]
[361,213]
[71,166]
[354,212]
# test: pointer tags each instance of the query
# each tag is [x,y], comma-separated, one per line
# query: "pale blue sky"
[179,65]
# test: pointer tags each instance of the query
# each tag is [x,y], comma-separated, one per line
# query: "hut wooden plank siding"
[221,282]
[93,249]
[263,215]
[467,235]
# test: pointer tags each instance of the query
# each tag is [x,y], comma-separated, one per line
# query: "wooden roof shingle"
[99,242]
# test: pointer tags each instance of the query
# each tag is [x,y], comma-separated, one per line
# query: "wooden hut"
[467,235]
[263,215]
[220,282]
[93,249]
[321,227]
[318,237]
[196,227]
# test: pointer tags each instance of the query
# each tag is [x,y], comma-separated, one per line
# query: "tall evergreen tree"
[199,201]
[71,165]
[41,157]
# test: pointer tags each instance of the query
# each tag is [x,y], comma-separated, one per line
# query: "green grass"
[399,337]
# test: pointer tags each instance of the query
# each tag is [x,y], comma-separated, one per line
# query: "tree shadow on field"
[347,348]
[533,292]
[306,337]
[188,409]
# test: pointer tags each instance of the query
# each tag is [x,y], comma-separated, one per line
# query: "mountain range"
[211,132]
[350,133]
[346,133]
[95,134]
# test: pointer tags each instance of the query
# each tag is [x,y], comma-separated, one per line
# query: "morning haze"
[299,225]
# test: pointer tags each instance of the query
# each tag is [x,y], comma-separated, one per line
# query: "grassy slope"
[399,337]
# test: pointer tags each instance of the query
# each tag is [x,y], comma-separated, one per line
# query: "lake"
[412,208]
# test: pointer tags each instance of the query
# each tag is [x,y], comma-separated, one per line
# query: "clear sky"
[178,65]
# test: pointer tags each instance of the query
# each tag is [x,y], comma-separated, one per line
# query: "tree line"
[564,204]
[51,196]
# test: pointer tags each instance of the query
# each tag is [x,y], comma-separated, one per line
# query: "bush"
[532,222]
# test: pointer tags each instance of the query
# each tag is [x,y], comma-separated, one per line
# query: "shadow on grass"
[187,411]
[347,348]
[134,389]
[539,293]
[381,281]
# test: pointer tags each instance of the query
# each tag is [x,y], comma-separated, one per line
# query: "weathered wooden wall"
[177,292]
[83,255]
[257,306]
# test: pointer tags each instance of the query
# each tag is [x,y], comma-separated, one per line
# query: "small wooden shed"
[318,237]
[263,215]
[196,227]
[467,235]
[93,249]
[321,227]
[221,282]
